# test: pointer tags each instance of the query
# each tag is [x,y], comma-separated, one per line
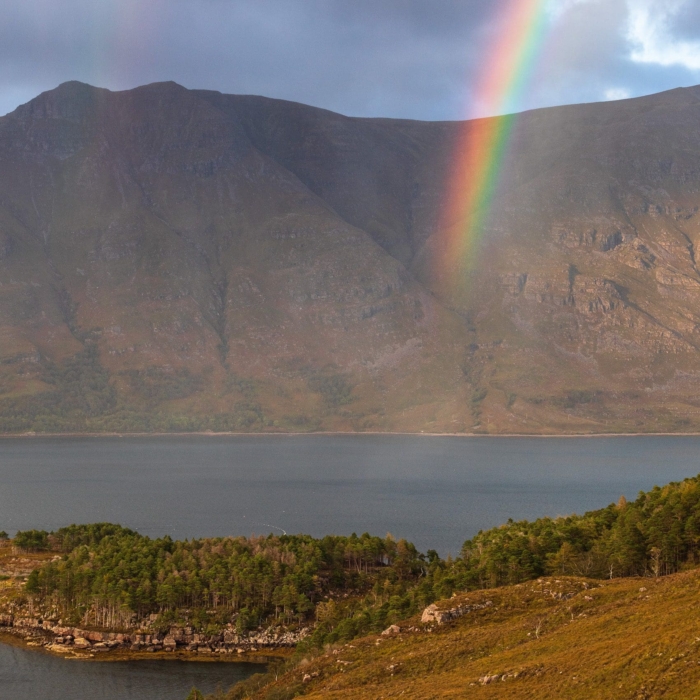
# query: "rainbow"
[483,143]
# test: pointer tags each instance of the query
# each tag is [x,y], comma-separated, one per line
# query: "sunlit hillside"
[179,260]
[553,638]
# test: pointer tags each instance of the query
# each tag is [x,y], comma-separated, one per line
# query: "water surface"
[435,491]
[33,675]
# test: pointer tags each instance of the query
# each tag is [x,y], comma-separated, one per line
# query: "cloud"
[649,32]
[417,59]
[582,55]
[617,94]
[392,58]
[557,8]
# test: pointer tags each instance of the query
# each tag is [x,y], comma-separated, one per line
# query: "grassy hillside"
[554,638]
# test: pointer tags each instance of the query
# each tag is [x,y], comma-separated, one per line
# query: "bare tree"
[655,561]
[538,627]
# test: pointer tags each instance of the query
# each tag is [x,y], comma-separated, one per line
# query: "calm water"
[434,491]
[31,675]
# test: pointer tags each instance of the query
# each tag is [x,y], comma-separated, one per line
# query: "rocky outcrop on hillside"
[435,614]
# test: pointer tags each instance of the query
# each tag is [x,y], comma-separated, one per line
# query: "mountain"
[176,259]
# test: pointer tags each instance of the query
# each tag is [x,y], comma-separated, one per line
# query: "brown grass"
[610,639]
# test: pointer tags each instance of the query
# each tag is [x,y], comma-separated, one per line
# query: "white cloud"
[616,94]
[651,38]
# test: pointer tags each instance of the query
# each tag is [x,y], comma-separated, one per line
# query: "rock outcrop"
[61,638]
[434,614]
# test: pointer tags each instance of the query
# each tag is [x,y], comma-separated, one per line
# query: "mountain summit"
[176,259]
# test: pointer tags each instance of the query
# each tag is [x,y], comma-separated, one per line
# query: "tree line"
[352,585]
[654,535]
[107,568]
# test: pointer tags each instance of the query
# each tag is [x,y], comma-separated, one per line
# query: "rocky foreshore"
[57,638]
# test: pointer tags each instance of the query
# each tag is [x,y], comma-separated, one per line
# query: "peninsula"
[510,602]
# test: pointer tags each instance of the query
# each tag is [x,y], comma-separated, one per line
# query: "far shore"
[209,433]
[116,655]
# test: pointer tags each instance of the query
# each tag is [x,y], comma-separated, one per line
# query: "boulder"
[429,614]
[433,614]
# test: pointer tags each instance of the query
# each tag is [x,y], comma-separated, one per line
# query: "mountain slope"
[210,278]
[552,638]
[183,259]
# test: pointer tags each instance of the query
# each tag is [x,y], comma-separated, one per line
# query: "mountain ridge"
[175,259]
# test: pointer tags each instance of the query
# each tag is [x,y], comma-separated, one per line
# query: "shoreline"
[211,434]
[33,644]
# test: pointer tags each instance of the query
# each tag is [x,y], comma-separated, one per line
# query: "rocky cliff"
[185,260]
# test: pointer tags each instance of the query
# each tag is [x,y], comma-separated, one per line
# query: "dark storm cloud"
[396,58]
[408,58]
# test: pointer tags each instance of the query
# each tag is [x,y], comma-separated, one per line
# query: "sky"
[418,59]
